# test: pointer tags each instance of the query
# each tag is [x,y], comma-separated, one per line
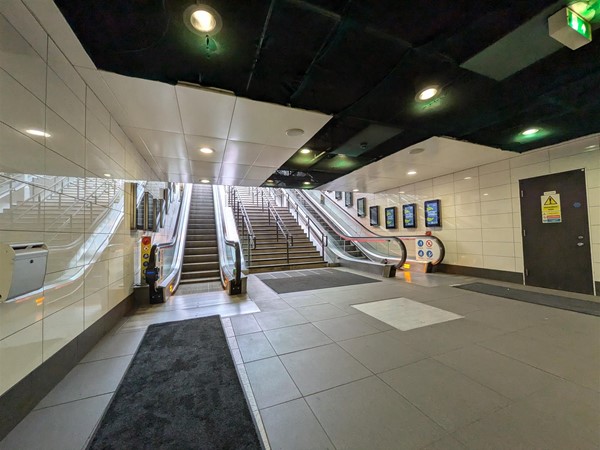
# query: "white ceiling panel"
[163,143]
[233,170]
[174,165]
[441,156]
[256,173]
[149,104]
[251,183]
[195,143]
[205,112]
[266,123]
[180,178]
[230,181]
[242,152]
[274,156]
[206,170]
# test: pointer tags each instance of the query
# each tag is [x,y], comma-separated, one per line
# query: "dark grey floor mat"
[326,279]
[181,391]
[555,301]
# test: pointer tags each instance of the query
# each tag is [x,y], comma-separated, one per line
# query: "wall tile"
[63,289]
[61,66]
[497,221]
[499,263]
[498,249]
[493,168]
[62,327]
[20,17]
[498,235]
[65,140]
[529,158]
[496,207]
[95,106]
[95,306]
[20,353]
[17,315]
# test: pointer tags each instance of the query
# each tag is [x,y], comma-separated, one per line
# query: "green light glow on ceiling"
[531,134]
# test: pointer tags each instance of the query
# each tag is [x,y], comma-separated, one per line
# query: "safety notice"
[551,207]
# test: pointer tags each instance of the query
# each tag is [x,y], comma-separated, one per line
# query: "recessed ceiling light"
[416,151]
[354,190]
[486,194]
[411,172]
[206,150]
[401,192]
[204,181]
[428,93]
[530,131]
[107,175]
[270,181]
[38,133]
[202,19]
[305,150]
[306,182]
[589,148]
[468,178]
[295,132]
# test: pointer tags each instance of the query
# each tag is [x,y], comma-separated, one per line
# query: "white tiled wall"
[40,89]
[481,223]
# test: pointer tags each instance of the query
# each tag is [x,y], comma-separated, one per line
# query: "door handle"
[580,244]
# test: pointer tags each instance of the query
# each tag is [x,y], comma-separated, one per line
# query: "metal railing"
[243,221]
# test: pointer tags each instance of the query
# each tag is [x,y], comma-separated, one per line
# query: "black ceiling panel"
[363,62]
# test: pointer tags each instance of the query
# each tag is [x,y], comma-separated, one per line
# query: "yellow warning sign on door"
[551,208]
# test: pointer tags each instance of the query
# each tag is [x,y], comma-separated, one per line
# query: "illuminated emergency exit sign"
[569,28]
[579,24]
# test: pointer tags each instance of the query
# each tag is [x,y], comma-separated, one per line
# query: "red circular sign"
[428,243]
[146,240]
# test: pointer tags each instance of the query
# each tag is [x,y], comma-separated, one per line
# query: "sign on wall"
[551,212]
[433,213]
[427,250]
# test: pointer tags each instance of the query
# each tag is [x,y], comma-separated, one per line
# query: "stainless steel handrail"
[240,210]
[223,232]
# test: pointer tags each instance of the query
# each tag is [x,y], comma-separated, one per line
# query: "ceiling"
[362,62]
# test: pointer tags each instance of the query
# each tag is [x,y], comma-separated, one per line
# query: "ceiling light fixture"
[38,133]
[354,190]
[305,151]
[107,175]
[411,172]
[416,151]
[202,20]
[306,182]
[206,150]
[204,181]
[428,93]
[530,131]
[468,178]
[401,192]
[270,181]
[294,132]
[589,148]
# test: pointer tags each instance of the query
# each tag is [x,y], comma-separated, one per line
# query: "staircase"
[270,254]
[201,257]
[347,246]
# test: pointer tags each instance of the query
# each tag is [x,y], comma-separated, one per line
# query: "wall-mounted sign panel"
[551,212]
[374,216]
[390,217]
[433,213]
[409,216]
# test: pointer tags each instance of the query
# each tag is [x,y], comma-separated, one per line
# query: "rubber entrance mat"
[324,279]
[181,391]
[555,301]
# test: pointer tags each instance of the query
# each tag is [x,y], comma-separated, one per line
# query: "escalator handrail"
[221,225]
[239,204]
[177,237]
[376,236]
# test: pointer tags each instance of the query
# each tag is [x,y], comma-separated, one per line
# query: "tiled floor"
[319,373]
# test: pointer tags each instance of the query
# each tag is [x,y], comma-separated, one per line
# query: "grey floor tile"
[443,337]
[254,346]
[465,304]
[279,319]
[368,414]
[323,311]
[500,373]
[297,337]
[271,384]
[347,327]
[448,397]
[322,368]
[512,317]
[88,380]
[297,300]
[370,320]
[293,426]
[62,427]
[551,358]
[244,324]
[381,352]
[519,426]
[113,345]
[268,305]
[446,443]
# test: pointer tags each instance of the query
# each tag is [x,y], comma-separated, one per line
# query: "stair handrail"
[240,211]
[47,192]
[301,215]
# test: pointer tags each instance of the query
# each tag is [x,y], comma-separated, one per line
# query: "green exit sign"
[579,24]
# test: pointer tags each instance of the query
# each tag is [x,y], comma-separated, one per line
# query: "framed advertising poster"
[374,216]
[360,207]
[348,199]
[433,213]
[338,195]
[409,217]
[390,217]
